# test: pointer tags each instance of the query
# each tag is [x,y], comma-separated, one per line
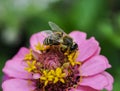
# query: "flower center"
[53,69]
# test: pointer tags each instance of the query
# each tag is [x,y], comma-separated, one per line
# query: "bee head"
[74,46]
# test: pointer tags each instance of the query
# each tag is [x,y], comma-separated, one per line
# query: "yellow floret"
[47,76]
[53,76]
[31,66]
[29,56]
[72,58]
[40,47]
[58,75]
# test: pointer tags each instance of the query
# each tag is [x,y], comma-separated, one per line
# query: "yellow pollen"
[31,66]
[53,76]
[29,56]
[72,58]
[40,47]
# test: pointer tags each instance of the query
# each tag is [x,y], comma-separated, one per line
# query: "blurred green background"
[19,19]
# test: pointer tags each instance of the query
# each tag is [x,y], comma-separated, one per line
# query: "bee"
[53,38]
[58,37]
[69,43]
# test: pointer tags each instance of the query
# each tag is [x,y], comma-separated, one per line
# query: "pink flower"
[41,67]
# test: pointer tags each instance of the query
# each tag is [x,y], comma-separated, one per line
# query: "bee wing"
[55,27]
[46,33]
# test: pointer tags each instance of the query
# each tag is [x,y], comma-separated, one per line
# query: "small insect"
[53,38]
[71,45]
[58,37]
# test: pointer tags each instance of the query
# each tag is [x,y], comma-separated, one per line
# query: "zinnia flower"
[49,68]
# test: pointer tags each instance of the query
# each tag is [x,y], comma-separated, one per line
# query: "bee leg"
[67,52]
[63,48]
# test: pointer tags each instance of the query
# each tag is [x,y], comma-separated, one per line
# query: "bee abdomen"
[45,42]
[49,41]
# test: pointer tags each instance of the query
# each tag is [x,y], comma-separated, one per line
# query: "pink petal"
[16,68]
[110,79]
[78,36]
[94,66]
[98,51]
[87,49]
[5,77]
[37,38]
[18,85]
[21,53]
[83,88]
[97,82]
[36,76]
